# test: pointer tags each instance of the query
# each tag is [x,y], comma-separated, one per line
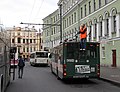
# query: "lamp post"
[39,39]
[60,5]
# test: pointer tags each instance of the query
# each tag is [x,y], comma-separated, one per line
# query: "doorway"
[114,58]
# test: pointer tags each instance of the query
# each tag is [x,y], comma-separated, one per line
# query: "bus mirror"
[59,57]
[50,56]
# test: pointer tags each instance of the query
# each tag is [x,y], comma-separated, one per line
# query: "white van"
[39,58]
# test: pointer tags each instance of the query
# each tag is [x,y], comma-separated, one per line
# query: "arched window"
[107,22]
[101,27]
[90,25]
[113,13]
[95,28]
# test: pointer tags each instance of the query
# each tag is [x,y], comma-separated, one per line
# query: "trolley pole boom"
[40,24]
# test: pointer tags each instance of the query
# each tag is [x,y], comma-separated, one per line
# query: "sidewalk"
[110,74]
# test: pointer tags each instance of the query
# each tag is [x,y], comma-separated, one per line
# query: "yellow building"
[25,39]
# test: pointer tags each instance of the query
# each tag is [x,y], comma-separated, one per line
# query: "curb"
[110,81]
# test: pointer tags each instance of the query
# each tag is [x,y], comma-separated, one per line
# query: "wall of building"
[103,22]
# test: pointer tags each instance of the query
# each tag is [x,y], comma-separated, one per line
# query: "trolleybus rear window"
[71,49]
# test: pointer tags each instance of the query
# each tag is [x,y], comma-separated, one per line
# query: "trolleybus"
[68,61]
[4,60]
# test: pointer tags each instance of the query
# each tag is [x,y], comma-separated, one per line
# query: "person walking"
[83,36]
[21,65]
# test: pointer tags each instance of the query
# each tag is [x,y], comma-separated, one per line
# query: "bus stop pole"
[14,68]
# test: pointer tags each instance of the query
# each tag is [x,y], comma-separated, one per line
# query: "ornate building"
[25,39]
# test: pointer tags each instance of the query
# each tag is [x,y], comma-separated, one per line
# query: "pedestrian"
[83,36]
[21,65]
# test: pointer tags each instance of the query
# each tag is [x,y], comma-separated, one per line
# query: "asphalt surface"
[40,79]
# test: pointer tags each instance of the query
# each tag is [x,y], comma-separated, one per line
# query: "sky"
[12,12]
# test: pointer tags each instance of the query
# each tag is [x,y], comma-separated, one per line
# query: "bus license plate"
[82,68]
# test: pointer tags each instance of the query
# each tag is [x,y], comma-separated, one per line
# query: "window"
[70,52]
[69,20]
[34,40]
[107,26]
[27,49]
[94,5]
[23,40]
[19,40]
[54,30]
[105,1]
[81,13]
[42,54]
[95,30]
[30,49]
[18,33]
[114,23]
[34,49]
[72,18]
[89,7]
[23,49]
[99,3]
[27,40]
[18,50]
[65,23]
[103,52]
[101,28]
[90,33]
[75,17]
[85,10]
[32,55]
[13,40]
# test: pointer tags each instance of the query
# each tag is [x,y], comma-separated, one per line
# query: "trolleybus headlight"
[76,61]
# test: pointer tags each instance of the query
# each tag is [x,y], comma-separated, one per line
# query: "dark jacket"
[21,62]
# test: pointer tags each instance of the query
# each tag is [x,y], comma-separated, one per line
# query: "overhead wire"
[33,7]
[39,9]
[32,10]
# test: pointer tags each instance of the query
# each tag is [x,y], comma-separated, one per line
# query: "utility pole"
[60,23]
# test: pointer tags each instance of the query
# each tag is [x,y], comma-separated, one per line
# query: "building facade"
[51,33]
[25,39]
[102,18]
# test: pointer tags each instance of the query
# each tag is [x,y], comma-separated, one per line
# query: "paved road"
[40,79]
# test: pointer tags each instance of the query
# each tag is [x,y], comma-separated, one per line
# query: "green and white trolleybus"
[68,61]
